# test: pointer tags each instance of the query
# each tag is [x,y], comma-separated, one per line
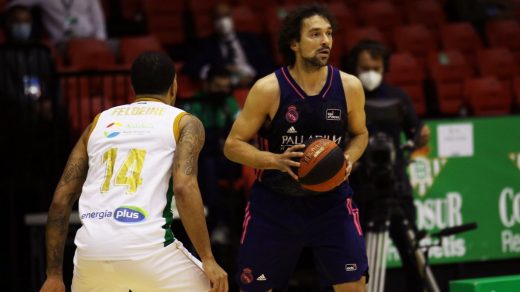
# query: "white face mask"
[371,79]
[224,25]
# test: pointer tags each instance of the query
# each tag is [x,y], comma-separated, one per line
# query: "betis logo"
[424,170]
[515,158]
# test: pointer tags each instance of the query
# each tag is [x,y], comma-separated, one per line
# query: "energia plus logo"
[130,214]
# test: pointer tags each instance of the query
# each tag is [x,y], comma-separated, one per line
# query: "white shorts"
[172,268]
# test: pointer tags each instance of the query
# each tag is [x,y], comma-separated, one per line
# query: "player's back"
[125,205]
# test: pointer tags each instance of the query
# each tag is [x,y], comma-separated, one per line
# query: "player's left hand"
[349,167]
[216,275]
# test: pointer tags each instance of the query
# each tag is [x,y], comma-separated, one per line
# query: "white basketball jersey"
[125,204]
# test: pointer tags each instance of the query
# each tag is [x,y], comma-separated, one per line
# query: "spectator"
[216,107]
[243,53]
[18,24]
[369,60]
[29,91]
[64,19]
[27,65]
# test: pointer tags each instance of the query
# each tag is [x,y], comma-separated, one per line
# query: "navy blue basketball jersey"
[301,117]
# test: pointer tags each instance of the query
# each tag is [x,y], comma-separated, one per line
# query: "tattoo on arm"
[67,192]
[189,146]
[76,169]
[57,228]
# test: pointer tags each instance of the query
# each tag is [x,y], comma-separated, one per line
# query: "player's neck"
[311,80]
[150,97]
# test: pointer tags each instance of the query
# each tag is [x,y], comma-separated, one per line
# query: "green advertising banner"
[470,172]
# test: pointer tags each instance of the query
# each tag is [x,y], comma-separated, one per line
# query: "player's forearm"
[191,210]
[67,192]
[56,234]
[356,146]
[246,154]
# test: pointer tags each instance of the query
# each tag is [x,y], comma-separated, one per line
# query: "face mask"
[21,31]
[371,79]
[224,25]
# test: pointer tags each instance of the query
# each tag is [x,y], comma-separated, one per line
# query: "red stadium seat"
[186,87]
[382,15]
[498,62]
[406,73]
[504,33]
[462,37]
[486,96]
[90,54]
[204,25]
[426,12]
[164,19]
[353,36]
[415,39]
[131,47]
[345,18]
[448,71]
[245,19]
[87,96]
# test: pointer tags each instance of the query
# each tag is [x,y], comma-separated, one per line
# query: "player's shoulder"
[350,81]
[267,84]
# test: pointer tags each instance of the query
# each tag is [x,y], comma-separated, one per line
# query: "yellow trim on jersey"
[149,99]
[92,126]
[176,128]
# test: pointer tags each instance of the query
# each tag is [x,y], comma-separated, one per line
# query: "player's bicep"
[74,174]
[253,115]
[191,141]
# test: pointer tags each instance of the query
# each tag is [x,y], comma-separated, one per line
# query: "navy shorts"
[276,229]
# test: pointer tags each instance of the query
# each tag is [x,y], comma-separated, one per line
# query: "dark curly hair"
[292,25]
[376,49]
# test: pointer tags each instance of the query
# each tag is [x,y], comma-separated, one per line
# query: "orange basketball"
[322,167]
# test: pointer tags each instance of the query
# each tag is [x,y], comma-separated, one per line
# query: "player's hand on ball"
[285,160]
[216,275]
[53,284]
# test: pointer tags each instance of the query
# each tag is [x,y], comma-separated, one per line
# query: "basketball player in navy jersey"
[305,99]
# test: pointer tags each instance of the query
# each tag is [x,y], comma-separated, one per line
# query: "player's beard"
[315,62]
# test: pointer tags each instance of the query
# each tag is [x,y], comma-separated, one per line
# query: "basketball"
[322,167]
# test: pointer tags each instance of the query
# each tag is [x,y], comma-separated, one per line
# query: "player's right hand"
[53,284]
[285,160]
[216,275]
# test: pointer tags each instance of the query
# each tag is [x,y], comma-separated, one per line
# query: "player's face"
[315,41]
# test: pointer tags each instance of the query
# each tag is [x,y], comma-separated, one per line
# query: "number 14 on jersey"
[129,173]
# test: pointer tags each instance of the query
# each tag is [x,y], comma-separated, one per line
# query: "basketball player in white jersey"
[121,170]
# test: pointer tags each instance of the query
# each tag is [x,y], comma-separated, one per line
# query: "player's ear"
[294,45]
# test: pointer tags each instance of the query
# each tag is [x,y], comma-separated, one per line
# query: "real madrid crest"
[292,114]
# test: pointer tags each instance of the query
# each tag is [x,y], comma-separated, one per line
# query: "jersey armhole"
[176,129]
[92,126]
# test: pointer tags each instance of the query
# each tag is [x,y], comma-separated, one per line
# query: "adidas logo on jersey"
[292,130]
[261,278]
